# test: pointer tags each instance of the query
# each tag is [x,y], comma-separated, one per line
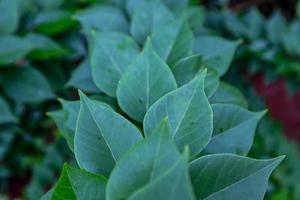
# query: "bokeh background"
[43,57]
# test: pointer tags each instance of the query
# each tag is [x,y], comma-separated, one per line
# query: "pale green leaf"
[145,81]
[101,137]
[187,68]
[10,16]
[161,172]
[229,95]
[111,55]
[228,177]
[216,52]
[189,114]
[173,41]
[234,129]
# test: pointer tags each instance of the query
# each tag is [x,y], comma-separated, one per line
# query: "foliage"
[161,125]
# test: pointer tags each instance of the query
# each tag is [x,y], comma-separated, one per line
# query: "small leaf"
[144,20]
[227,177]
[44,47]
[161,173]
[81,78]
[12,49]
[6,116]
[103,18]
[229,95]
[76,184]
[110,57]
[189,114]
[173,41]
[234,129]
[216,52]
[276,28]
[27,85]
[101,137]
[53,21]
[187,68]
[6,140]
[145,81]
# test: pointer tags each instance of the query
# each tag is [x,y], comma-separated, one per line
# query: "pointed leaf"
[161,173]
[6,116]
[101,137]
[189,114]
[229,95]
[76,184]
[187,68]
[216,52]
[145,81]
[227,177]
[173,41]
[110,57]
[234,129]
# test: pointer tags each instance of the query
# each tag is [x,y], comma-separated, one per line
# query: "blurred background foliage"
[43,57]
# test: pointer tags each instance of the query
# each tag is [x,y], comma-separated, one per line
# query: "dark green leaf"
[6,116]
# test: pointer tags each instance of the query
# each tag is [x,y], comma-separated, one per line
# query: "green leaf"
[196,17]
[53,21]
[144,20]
[101,137]
[6,139]
[81,78]
[12,49]
[76,184]
[27,85]
[189,114]
[103,18]
[234,129]
[161,173]
[111,55]
[276,28]
[229,95]
[6,116]
[173,41]
[44,47]
[145,81]
[10,16]
[216,52]
[227,177]
[187,68]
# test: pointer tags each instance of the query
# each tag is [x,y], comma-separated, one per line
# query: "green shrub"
[163,126]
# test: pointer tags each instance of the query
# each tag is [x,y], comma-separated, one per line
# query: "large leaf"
[187,68]
[27,85]
[103,18]
[81,78]
[189,114]
[229,95]
[6,116]
[173,41]
[228,177]
[110,57]
[145,81]
[9,19]
[234,129]
[144,20]
[161,172]
[101,137]
[76,184]
[216,52]
[13,48]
